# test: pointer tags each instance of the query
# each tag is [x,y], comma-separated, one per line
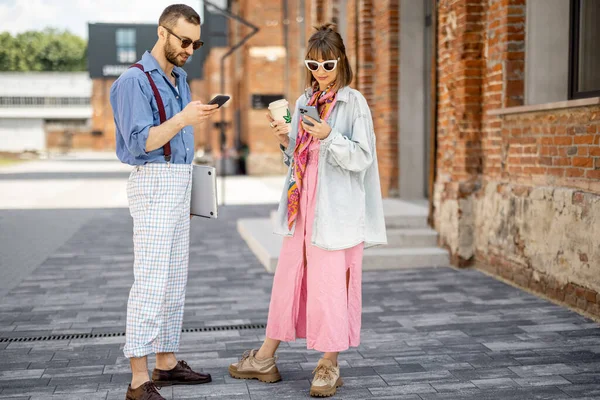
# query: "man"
[160,145]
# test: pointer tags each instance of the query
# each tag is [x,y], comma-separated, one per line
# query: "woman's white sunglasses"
[328,65]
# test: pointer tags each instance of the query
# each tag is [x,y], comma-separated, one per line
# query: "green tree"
[63,52]
[7,52]
[47,50]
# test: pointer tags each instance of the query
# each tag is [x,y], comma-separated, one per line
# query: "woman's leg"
[333,357]
[268,349]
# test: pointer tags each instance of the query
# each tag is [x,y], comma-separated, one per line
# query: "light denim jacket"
[349,208]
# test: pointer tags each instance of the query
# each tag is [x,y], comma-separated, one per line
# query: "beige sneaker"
[251,368]
[327,379]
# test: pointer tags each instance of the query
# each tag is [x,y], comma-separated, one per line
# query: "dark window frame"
[574,35]
[127,45]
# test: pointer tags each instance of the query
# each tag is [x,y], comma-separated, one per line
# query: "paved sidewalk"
[427,333]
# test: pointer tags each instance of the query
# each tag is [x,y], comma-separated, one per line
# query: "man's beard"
[172,56]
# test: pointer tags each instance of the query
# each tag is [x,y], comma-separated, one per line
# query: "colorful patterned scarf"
[325,99]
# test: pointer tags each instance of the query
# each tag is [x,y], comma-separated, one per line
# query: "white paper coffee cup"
[280,111]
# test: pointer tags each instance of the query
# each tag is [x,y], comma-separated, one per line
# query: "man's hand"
[196,112]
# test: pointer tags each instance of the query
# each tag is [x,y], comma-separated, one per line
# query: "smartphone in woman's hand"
[311,111]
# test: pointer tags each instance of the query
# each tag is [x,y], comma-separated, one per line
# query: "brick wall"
[208,134]
[373,48]
[461,69]
[259,68]
[505,70]
[102,117]
[382,34]
[518,194]
[376,71]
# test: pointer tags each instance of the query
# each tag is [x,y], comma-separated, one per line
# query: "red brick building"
[489,109]
[517,187]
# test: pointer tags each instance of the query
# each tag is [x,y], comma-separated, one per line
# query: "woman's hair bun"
[328,26]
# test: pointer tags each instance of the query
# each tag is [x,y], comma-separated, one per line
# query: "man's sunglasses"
[185,43]
[328,65]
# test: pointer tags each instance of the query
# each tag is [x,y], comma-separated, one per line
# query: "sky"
[22,15]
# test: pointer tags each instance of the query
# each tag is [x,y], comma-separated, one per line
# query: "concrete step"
[404,215]
[399,214]
[258,235]
[411,238]
[266,246]
[380,258]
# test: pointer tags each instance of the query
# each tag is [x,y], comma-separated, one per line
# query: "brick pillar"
[373,50]
[319,15]
[334,11]
[505,69]
[352,39]
[365,52]
[461,69]
[383,92]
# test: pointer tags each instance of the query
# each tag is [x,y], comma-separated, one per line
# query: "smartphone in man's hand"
[219,99]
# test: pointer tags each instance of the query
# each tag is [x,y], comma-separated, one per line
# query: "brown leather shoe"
[182,374]
[147,391]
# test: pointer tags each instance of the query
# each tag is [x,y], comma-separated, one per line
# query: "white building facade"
[31,103]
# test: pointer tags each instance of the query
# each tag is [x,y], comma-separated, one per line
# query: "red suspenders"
[161,108]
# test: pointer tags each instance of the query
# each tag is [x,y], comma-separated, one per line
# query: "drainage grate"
[243,327]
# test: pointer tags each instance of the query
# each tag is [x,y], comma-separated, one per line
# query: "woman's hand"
[320,130]
[280,129]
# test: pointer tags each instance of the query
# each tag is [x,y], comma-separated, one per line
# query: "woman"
[330,210]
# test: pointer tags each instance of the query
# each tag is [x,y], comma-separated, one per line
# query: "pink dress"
[310,298]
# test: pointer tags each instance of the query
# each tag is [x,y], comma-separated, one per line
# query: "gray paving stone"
[583,378]
[80,380]
[76,396]
[399,369]
[210,390]
[452,386]
[496,383]
[358,382]
[404,378]
[21,374]
[542,370]
[403,389]
[72,372]
[592,389]
[10,366]
[484,373]
[446,367]
[549,393]
[86,388]
[543,381]
[24,383]
[28,392]
[431,333]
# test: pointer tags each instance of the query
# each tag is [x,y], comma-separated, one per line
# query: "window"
[44,101]
[584,68]
[126,46]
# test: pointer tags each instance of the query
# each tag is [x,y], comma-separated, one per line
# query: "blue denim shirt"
[349,207]
[135,112]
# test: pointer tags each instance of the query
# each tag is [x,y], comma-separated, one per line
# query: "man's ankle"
[139,381]
[166,361]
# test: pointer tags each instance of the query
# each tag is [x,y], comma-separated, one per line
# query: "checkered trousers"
[159,202]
